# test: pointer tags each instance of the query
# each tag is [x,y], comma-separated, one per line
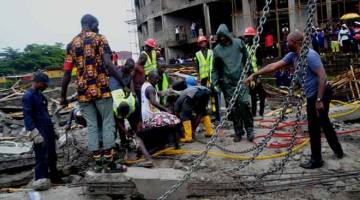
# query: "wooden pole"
[355,80]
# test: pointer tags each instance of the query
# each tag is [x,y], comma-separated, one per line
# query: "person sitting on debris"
[41,132]
[90,53]
[75,115]
[156,118]
[193,99]
[148,58]
[318,94]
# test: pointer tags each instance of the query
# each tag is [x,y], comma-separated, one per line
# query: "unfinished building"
[158,18]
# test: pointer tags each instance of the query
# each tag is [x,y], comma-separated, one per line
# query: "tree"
[33,57]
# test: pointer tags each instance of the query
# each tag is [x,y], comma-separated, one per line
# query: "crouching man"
[41,131]
[193,99]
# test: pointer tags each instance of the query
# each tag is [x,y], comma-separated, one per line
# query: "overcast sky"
[48,21]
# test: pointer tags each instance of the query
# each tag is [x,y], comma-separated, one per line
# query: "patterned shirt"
[85,52]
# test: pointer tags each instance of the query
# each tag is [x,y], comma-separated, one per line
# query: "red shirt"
[269,40]
[138,77]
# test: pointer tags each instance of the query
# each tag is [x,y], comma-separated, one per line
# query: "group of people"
[342,38]
[160,110]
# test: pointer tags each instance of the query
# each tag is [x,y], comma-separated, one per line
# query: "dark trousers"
[214,95]
[258,90]
[323,121]
[177,36]
[45,159]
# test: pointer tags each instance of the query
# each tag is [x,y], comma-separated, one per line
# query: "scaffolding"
[132,29]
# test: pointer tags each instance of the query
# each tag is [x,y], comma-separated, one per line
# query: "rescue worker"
[193,99]
[125,108]
[318,94]
[125,74]
[90,53]
[204,62]
[164,82]
[256,88]
[230,56]
[41,132]
[147,57]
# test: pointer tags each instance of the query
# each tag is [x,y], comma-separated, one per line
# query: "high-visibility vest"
[253,59]
[118,98]
[150,63]
[205,65]
[165,86]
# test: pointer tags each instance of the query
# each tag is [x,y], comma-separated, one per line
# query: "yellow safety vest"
[165,86]
[205,65]
[118,98]
[150,63]
[253,59]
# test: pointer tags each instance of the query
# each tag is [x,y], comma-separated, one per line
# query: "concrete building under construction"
[158,19]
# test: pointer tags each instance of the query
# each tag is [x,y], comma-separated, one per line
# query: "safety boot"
[187,131]
[97,155]
[250,134]
[208,126]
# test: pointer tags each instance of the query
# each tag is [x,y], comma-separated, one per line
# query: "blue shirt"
[114,84]
[35,109]
[311,80]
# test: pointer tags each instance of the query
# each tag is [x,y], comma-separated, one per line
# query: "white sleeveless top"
[147,110]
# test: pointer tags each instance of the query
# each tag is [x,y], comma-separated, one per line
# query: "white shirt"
[343,35]
[177,31]
[147,110]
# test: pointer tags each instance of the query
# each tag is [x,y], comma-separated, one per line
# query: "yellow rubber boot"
[208,126]
[187,131]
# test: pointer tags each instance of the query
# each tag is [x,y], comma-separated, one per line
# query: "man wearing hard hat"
[147,58]
[204,60]
[256,88]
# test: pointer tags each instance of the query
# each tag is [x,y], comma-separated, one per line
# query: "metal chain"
[238,89]
[299,71]
[302,62]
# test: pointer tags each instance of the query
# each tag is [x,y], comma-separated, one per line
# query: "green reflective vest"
[205,65]
[118,98]
[150,63]
[165,86]
[253,59]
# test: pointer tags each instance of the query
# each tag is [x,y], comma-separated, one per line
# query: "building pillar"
[328,10]
[292,14]
[206,12]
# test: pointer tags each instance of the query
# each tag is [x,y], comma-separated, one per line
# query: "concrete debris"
[41,184]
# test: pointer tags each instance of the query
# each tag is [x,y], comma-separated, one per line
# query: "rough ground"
[212,169]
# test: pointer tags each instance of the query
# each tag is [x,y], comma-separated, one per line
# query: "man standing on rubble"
[256,88]
[41,132]
[229,59]
[318,94]
[204,60]
[90,53]
[147,57]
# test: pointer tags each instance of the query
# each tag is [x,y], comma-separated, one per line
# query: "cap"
[250,31]
[41,77]
[151,42]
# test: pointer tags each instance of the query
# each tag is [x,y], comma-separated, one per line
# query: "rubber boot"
[187,131]
[208,126]
[98,161]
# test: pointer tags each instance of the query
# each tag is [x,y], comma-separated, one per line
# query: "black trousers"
[45,156]
[258,90]
[323,121]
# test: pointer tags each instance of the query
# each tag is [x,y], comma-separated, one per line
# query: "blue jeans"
[90,111]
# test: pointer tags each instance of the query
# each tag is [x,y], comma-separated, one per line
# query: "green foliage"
[34,56]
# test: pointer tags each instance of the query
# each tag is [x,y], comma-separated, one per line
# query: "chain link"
[232,101]
[302,62]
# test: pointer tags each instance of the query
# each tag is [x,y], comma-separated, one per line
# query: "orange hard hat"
[250,31]
[151,42]
[201,39]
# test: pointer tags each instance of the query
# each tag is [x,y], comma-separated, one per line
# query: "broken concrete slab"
[150,183]
[9,147]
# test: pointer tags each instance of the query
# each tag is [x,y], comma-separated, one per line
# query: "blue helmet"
[190,81]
